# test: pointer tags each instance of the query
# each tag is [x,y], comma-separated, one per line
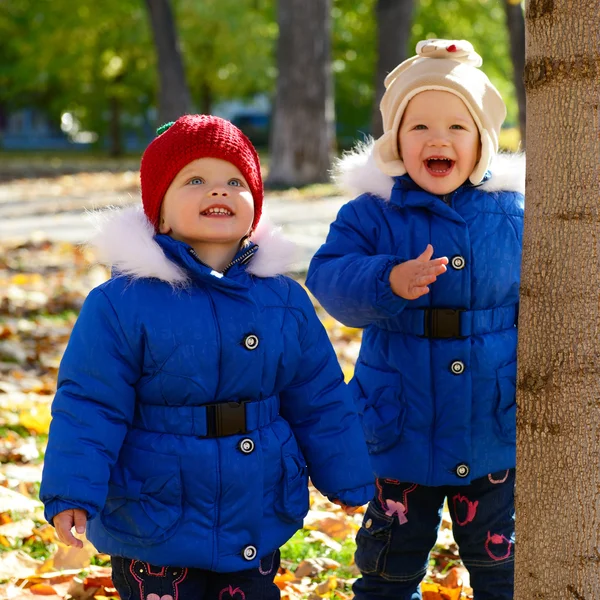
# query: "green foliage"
[354,53]
[79,57]
[298,548]
[483,23]
[228,47]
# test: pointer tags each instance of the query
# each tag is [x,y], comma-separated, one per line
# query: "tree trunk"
[116,145]
[206,98]
[173,94]
[558,423]
[302,131]
[394,20]
[516,30]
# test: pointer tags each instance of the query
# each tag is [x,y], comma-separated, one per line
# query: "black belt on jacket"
[208,420]
[442,323]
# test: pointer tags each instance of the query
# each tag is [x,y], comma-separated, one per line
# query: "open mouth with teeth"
[217,212]
[439,166]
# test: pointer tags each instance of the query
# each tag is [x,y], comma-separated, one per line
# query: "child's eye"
[196,181]
[455,126]
[420,127]
[235,182]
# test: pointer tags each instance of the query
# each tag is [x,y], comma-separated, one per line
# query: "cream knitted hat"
[449,66]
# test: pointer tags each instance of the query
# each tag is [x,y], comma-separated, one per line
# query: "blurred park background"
[83,86]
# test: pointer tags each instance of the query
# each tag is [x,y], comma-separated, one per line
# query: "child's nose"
[219,191]
[438,139]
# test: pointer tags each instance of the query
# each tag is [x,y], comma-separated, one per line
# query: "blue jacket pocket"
[506,409]
[293,500]
[144,502]
[384,407]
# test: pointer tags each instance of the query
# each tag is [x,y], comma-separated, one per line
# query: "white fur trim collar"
[124,240]
[357,173]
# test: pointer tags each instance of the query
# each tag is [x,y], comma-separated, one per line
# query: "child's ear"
[163,226]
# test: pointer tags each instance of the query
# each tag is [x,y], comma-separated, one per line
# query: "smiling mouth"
[217,211]
[439,166]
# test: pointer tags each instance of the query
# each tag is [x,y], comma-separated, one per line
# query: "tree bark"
[516,30]
[116,144]
[394,21]
[558,389]
[302,130]
[173,93]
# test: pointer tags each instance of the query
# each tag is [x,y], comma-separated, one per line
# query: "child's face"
[438,141]
[209,201]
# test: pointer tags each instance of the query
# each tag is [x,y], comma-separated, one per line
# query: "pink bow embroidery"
[396,508]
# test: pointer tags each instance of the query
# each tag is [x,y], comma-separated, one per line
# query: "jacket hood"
[357,173]
[124,240]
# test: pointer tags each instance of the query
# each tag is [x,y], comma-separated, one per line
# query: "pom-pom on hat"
[449,66]
[189,138]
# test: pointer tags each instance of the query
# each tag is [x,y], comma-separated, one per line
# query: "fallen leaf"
[327,586]
[433,591]
[319,536]
[313,566]
[42,589]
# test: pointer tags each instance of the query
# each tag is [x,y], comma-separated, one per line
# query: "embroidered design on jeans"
[232,592]
[392,507]
[150,583]
[495,481]
[497,539]
[471,511]
[396,508]
[263,572]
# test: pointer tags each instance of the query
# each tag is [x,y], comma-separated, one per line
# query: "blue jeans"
[401,524]
[137,580]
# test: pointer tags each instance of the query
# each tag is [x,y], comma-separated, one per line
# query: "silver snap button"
[251,342]
[246,446]
[368,523]
[457,367]
[458,262]
[462,470]
[249,553]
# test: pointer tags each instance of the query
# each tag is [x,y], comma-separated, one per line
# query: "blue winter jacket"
[150,395]
[436,389]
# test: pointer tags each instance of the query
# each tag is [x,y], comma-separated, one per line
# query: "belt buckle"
[442,323]
[225,418]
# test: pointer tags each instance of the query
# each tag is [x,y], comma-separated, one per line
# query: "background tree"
[516,31]
[173,94]
[228,48]
[302,129]
[558,420]
[394,22]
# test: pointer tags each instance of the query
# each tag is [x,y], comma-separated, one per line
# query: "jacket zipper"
[239,259]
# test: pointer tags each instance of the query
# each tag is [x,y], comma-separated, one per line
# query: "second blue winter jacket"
[435,411]
[154,360]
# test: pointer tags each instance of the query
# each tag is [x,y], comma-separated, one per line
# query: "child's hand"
[65,520]
[410,279]
[349,510]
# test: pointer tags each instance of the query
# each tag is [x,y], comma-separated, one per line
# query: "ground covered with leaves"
[43,287]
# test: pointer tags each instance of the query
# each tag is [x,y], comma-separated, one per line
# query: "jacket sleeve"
[347,275]
[320,410]
[91,411]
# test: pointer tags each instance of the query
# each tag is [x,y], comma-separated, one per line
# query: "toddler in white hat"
[435,377]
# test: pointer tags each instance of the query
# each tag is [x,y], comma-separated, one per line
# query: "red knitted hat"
[187,139]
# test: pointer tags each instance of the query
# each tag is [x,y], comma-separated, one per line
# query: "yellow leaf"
[433,591]
[26,278]
[37,418]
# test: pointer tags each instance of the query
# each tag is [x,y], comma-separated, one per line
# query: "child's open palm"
[410,279]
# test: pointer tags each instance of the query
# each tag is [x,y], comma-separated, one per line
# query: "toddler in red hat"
[198,391]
